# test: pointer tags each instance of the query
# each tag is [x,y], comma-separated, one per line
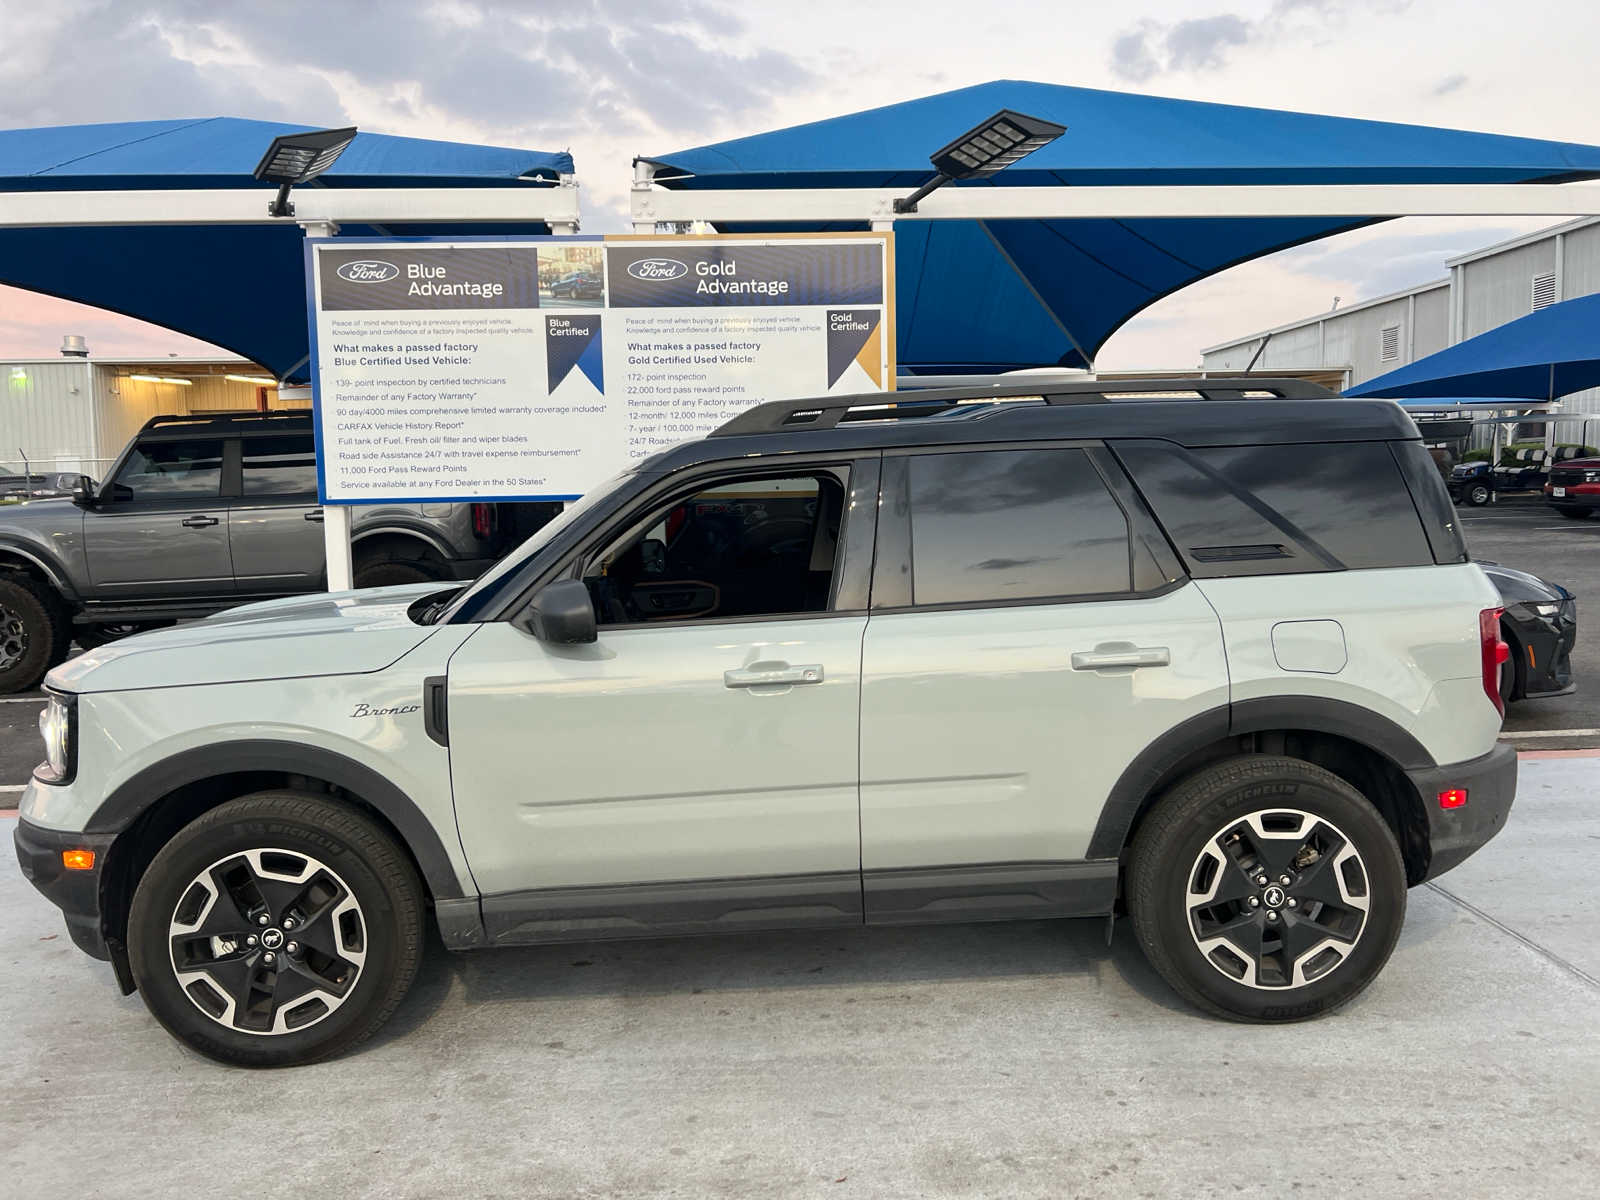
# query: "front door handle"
[764,673]
[1114,655]
[198,522]
[315,515]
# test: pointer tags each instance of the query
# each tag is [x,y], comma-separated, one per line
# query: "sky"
[610,80]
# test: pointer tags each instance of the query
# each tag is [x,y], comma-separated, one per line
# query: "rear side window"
[1009,525]
[1264,510]
[284,465]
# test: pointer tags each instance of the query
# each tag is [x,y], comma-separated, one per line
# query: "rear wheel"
[92,636]
[1266,889]
[276,929]
[33,633]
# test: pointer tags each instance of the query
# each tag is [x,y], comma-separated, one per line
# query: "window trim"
[896,555]
[856,534]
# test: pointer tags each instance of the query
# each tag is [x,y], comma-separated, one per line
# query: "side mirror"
[83,492]
[562,614]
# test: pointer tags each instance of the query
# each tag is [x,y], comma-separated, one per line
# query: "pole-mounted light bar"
[984,149]
[298,158]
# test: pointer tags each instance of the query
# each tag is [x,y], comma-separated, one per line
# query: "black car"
[578,286]
[1540,624]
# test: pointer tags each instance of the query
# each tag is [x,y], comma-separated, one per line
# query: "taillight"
[482,520]
[1494,652]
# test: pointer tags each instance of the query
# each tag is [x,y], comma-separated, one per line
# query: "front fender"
[42,559]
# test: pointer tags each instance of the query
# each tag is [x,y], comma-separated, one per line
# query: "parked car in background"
[41,485]
[1540,625]
[202,513]
[1520,469]
[1574,487]
[580,285]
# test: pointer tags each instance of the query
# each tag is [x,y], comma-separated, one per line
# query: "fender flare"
[402,529]
[52,570]
[133,797]
[1313,714]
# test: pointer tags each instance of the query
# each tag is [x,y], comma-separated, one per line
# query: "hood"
[1583,464]
[330,633]
[1519,587]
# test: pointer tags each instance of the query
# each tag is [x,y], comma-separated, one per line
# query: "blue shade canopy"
[1546,354]
[981,296]
[241,287]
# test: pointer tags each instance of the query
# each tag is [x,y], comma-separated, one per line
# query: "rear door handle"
[760,674]
[199,522]
[1123,655]
[315,515]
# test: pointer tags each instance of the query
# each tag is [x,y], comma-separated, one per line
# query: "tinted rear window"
[285,465]
[1261,510]
[997,525]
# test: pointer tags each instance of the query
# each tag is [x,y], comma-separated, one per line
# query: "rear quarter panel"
[1411,647]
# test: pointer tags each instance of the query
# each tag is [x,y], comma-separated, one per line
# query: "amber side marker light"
[78,860]
[1452,797]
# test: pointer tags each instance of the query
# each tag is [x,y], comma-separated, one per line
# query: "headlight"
[58,726]
[1591,476]
[1546,610]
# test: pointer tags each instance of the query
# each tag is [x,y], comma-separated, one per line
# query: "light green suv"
[1215,658]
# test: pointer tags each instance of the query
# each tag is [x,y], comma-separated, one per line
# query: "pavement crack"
[1549,956]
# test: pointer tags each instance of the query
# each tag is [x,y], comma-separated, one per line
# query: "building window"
[1389,343]
[1544,291]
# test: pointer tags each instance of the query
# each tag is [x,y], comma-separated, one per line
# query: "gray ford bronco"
[1210,653]
[201,513]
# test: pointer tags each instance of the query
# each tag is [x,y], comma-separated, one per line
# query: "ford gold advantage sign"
[532,368]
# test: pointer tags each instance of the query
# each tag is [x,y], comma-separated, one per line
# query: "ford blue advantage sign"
[739,273]
[531,368]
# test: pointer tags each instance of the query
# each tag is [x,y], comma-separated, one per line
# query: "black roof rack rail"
[793,416]
[224,417]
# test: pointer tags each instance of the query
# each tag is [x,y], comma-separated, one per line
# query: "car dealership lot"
[1018,1059]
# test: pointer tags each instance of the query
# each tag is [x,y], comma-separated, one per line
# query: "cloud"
[1450,83]
[1200,43]
[1151,48]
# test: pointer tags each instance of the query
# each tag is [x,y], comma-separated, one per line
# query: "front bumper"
[1454,834]
[75,893]
[1546,645]
[1574,501]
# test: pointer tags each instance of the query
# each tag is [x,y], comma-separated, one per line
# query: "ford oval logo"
[657,268]
[368,270]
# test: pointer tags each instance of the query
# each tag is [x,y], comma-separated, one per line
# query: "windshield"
[537,541]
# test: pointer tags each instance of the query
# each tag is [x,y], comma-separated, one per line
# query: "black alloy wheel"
[1266,889]
[276,929]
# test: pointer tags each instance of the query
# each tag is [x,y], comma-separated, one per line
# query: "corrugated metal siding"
[1580,265]
[1499,289]
[1433,322]
[46,414]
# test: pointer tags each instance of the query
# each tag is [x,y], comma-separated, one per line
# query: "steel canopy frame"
[875,206]
[554,204]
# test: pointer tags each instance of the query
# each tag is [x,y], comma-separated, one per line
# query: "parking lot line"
[1510,735]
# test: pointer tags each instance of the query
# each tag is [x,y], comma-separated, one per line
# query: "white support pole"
[643,219]
[562,225]
[335,517]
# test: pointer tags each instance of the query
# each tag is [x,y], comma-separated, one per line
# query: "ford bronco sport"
[1209,653]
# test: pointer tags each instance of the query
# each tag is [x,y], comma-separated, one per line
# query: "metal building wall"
[1497,289]
[1433,323]
[47,415]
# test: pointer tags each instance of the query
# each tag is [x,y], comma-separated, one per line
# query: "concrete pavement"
[996,1060]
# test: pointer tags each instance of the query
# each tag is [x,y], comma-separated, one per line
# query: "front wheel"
[276,929]
[1478,494]
[1266,889]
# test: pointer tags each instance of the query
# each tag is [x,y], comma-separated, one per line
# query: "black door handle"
[199,522]
[315,515]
